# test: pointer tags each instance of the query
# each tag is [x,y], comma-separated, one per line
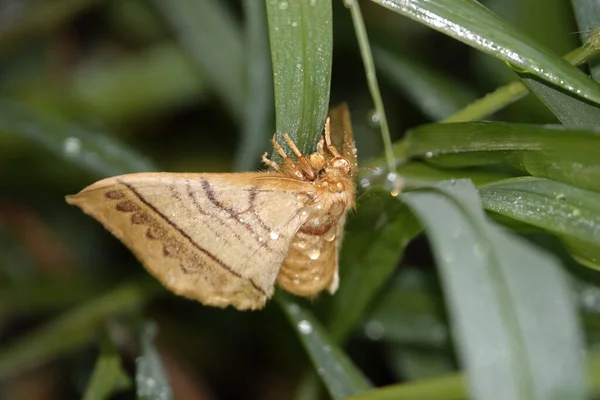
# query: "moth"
[225,238]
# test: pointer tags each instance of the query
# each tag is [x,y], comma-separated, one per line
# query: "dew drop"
[314,254]
[283,5]
[576,212]
[560,196]
[296,281]
[329,236]
[305,327]
[429,154]
[374,119]
[313,2]
[394,183]
[274,235]
[378,172]
[365,183]
[348,3]
[72,146]
[301,244]
[294,24]
[374,330]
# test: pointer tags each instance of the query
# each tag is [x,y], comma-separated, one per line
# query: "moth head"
[339,165]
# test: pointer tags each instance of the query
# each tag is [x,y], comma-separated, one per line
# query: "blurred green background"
[93,88]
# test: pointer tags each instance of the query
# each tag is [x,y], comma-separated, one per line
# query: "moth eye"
[341,163]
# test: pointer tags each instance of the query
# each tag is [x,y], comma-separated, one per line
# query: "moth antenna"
[332,149]
[320,146]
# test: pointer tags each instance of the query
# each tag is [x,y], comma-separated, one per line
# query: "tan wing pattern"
[216,238]
[341,133]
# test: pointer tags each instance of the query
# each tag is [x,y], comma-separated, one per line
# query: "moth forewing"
[216,238]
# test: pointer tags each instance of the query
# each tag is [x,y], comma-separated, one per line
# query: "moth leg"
[269,163]
[292,145]
[289,162]
[306,167]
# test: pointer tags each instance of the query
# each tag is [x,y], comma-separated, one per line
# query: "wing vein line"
[216,259]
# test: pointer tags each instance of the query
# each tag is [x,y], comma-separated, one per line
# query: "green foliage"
[469,284]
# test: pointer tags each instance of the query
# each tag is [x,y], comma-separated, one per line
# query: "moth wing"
[341,132]
[311,265]
[216,238]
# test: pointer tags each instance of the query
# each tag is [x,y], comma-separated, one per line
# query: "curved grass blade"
[80,325]
[409,312]
[435,94]
[205,28]
[571,213]
[572,111]
[150,378]
[95,152]
[39,18]
[517,339]
[257,125]
[417,174]
[337,371]
[373,245]
[108,376]
[160,77]
[450,387]
[300,33]
[587,14]
[569,156]
[473,24]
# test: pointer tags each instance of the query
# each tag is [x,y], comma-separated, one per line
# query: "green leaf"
[417,174]
[373,245]
[80,326]
[150,378]
[39,18]
[572,111]
[587,14]
[408,320]
[337,371]
[569,156]
[300,33]
[571,213]
[93,151]
[210,35]
[449,387]
[435,94]
[517,339]
[159,77]
[108,376]
[473,24]
[408,312]
[257,126]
